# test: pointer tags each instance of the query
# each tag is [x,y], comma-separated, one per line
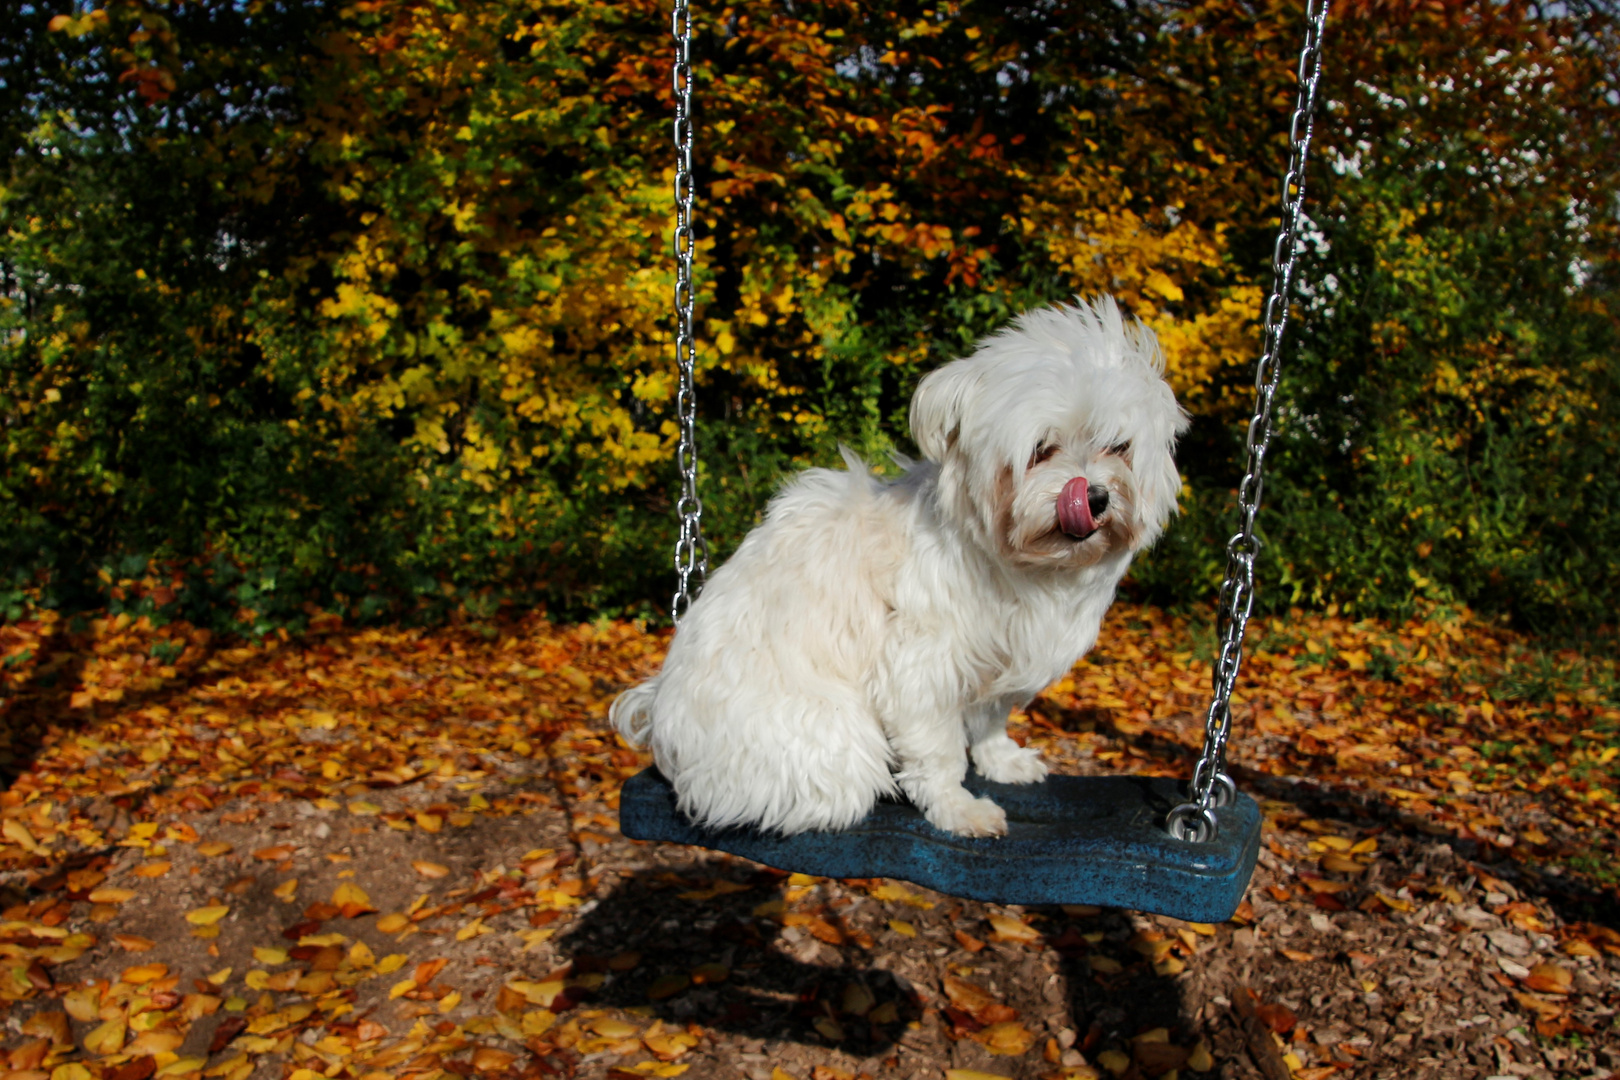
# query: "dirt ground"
[475,912]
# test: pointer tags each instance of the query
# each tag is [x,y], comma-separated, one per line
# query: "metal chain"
[691,550]
[1194,820]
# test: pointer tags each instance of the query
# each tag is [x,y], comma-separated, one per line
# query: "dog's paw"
[1005,762]
[962,814]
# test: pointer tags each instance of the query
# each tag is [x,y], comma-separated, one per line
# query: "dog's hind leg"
[784,761]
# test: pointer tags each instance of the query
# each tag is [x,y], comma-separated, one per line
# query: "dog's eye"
[1120,449]
[1042,453]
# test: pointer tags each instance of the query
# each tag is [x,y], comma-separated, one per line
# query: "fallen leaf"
[106,1039]
[1010,928]
[351,900]
[144,973]
[430,870]
[1550,978]
[207,916]
[151,869]
[1114,1061]
[111,896]
[1008,1038]
[890,892]
[487,1059]
[133,942]
[1278,1018]
[967,941]
[667,986]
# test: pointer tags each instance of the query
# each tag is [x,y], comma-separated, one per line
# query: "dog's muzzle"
[1079,506]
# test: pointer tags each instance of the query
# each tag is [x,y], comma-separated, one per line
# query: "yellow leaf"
[348,892]
[214,848]
[401,988]
[611,1028]
[391,963]
[285,891]
[269,956]
[18,834]
[890,892]
[106,1039]
[152,1043]
[903,928]
[393,923]
[111,896]
[208,916]
[83,1004]
[1008,928]
[152,869]
[144,973]
[1114,1061]
[1008,1038]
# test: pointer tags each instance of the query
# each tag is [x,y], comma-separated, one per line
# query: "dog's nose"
[1097,501]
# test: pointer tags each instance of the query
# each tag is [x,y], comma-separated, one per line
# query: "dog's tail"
[631,712]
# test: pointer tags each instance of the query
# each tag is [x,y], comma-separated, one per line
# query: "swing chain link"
[1194,820]
[691,550]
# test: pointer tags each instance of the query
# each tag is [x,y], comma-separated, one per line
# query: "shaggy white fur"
[868,636]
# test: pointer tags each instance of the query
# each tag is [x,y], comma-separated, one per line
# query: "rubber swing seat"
[1070,840]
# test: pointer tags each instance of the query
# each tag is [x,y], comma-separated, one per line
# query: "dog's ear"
[940,405]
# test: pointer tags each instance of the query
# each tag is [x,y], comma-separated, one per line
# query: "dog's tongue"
[1074,509]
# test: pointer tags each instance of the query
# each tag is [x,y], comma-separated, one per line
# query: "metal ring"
[1192,824]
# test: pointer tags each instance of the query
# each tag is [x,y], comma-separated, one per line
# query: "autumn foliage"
[386,852]
[365,306]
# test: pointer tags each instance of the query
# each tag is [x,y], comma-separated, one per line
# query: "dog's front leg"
[928,730]
[995,754]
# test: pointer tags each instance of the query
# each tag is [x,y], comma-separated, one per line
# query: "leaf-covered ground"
[381,854]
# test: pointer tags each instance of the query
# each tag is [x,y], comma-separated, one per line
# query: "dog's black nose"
[1097,500]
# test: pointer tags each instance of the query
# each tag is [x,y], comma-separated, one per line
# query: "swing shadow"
[672,945]
[668,944]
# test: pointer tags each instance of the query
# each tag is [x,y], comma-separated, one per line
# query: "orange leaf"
[427,970]
[1550,978]
[145,973]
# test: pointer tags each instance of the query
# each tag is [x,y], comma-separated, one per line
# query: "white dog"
[868,635]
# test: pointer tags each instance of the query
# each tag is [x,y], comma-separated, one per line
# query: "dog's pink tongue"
[1074,509]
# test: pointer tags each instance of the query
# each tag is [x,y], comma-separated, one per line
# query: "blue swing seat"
[1071,840]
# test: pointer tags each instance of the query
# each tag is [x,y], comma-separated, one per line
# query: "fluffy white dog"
[869,635]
